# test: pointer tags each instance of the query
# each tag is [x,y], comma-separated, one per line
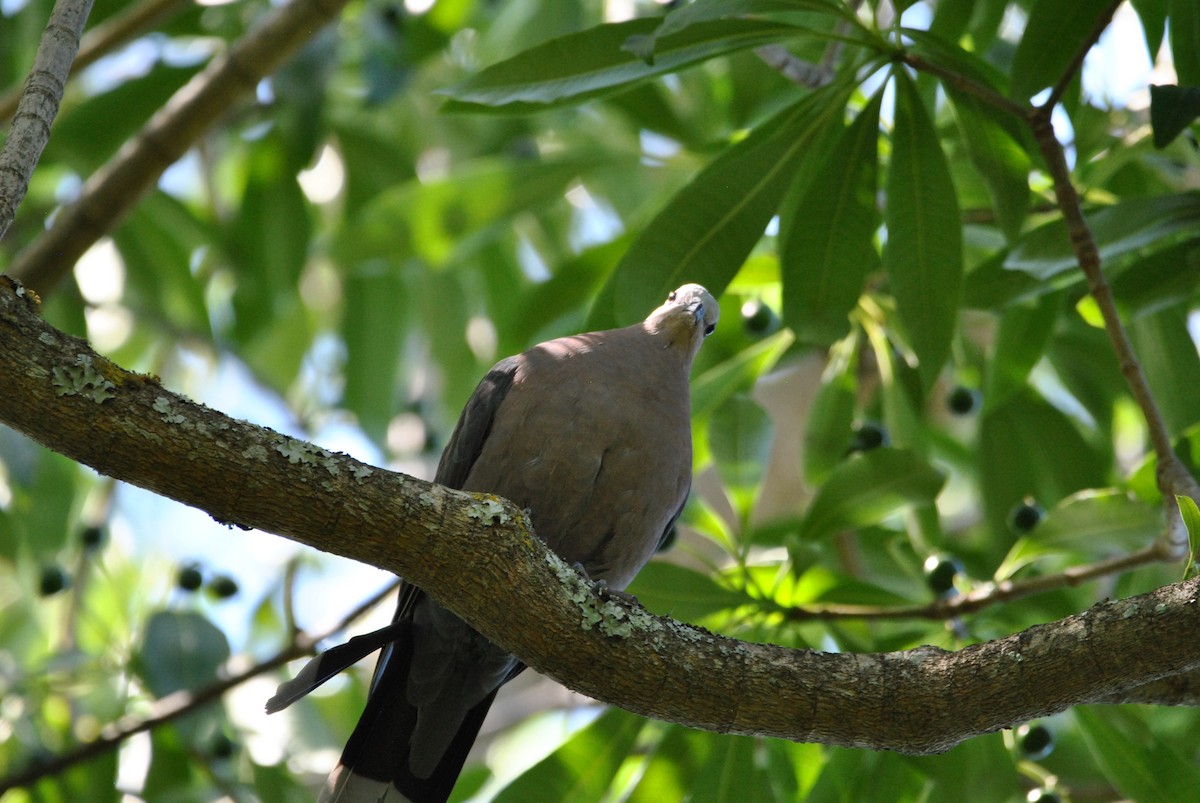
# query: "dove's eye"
[671,296]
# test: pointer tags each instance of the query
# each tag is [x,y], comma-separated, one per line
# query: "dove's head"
[689,315]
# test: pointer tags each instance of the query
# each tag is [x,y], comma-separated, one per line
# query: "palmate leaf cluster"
[496,173]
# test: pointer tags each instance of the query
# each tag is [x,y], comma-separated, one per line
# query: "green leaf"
[1055,31]
[1003,164]
[645,46]
[1087,525]
[953,58]
[827,431]
[683,593]
[739,435]
[1027,447]
[1119,229]
[709,227]
[707,10]
[268,240]
[1140,764]
[1167,353]
[89,133]
[592,63]
[373,329]
[444,221]
[156,243]
[1172,109]
[1163,278]
[1021,340]
[731,774]
[827,234]
[584,767]
[923,255]
[1153,16]
[1191,520]
[867,488]
[180,651]
[1185,40]
[737,373]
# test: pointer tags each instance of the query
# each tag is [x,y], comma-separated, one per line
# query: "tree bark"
[470,550]
[38,105]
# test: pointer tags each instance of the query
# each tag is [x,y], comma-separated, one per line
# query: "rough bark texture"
[469,550]
[38,105]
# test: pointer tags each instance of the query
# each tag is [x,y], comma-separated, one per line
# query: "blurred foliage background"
[909,397]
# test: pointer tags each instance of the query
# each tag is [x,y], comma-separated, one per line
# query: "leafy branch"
[175,706]
[110,193]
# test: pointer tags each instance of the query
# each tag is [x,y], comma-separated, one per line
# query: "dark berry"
[1042,795]
[91,537]
[940,571]
[758,318]
[869,435]
[53,579]
[1035,741]
[963,400]
[223,586]
[189,577]
[221,746]
[1025,516]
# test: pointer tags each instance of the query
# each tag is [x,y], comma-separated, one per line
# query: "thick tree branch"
[39,104]
[61,393]
[111,192]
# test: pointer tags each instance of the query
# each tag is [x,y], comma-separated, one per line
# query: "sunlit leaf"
[738,373]
[683,593]
[583,768]
[827,431]
[706,231]
[739,435]
[594,62]
[1088,525]
[868,488]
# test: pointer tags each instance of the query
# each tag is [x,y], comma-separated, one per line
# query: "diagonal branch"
[1076,62]
[39,104]
[111,192]
[470,550]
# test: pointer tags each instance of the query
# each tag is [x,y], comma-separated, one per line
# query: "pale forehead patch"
[694,292]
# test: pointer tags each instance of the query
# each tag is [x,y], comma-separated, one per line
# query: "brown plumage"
[592,434]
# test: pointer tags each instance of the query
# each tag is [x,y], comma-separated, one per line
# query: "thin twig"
[174,706]
[991,594]
[965,84]
[1076,63]
[38,106]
